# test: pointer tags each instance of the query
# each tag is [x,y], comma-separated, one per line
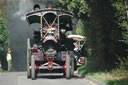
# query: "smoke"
[24,7]
[19,30]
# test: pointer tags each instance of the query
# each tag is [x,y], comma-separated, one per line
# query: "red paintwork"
[50,65]
[36,67]
[65,65]
[34,50]
[38,55]
[45,30]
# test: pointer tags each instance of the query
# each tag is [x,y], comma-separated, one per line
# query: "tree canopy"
[3,27]
[3,35]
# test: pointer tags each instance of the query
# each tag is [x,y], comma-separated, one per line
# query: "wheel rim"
[28,57]
[68,70]
[72,66]
[32,67]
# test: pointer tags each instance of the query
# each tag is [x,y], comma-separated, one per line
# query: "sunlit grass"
[114,77]
[117,76]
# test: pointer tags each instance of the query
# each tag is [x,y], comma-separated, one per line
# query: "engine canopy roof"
[35,16]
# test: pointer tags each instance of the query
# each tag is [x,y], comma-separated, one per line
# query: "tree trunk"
[126,5]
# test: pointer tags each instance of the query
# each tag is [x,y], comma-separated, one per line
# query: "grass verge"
[114,77]
[1,70]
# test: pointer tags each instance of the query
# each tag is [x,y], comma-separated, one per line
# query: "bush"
[83,70]
[123,64]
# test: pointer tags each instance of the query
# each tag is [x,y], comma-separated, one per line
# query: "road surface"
[19,78]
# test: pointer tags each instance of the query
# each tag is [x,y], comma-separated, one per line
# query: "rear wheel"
[28,58]
[72,63]
[75,66]
[68,69]
[72,66]
[33,73]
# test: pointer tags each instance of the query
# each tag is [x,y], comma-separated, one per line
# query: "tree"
[3,34]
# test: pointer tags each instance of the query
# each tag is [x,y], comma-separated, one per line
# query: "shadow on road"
[55,77]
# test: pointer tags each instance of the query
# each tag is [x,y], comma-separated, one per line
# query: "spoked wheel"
[28,58]
[68,69]
[72,63]
[72,66]
[33,73]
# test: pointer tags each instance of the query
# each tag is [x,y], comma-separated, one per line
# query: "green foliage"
[1,70]
[83,70]
[117,76]
[2,8]
[118,82]
[121,21]
[110,78]
[79,7]
[121,18]
[123,64]
[107,33]
[81,28]
[3,35]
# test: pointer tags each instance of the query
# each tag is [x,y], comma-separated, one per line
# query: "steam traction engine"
[50,49]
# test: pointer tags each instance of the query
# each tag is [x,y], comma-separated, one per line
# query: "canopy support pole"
[58,26]
[41,23]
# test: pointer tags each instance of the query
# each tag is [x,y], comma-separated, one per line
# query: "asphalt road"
[19,78]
